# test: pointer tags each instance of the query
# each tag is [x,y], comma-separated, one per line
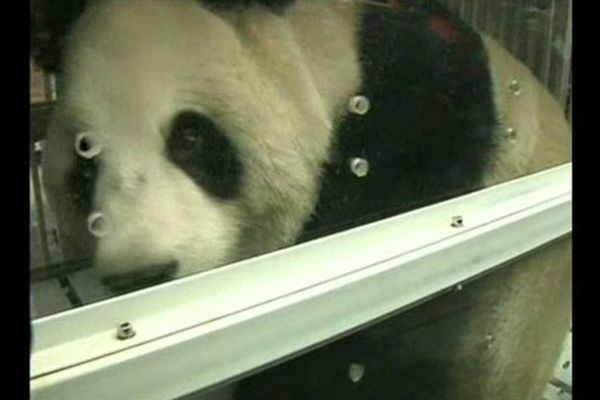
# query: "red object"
[444,28]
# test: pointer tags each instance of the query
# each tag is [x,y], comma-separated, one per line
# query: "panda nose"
[141,277]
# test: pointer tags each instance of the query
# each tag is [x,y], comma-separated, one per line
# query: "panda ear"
[51,22]
[274,5]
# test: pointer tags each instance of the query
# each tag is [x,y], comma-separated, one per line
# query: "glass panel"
[189,135]
[538,32]
[445,348]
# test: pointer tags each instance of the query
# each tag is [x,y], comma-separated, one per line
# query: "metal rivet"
[511,134]
[97,224]
[458,287]
[359,166]
[356,372]
[457,222]
[38,148]
[86,146]
[125,331]
[359,105]
[515,87]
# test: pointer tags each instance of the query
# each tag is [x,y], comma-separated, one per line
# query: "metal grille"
[538,32]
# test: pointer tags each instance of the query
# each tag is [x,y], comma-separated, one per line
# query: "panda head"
[184,137]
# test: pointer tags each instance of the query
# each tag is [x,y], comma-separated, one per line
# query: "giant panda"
[190,134]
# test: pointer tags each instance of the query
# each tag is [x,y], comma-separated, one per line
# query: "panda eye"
[190,136]
[187,131]
[204,153]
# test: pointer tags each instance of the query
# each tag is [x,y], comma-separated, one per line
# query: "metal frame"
[212,327]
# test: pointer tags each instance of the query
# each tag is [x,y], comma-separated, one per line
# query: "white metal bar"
[198,331]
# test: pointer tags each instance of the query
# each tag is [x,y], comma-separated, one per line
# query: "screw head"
[125,331]
[359,105]
[86,146]
[359,166]
[38,148]
[97,224]
[515,87]
[356,372]
[511,134]
[457,222]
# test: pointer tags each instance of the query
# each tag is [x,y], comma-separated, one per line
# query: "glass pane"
[183,136]
[537,32]
[476,341]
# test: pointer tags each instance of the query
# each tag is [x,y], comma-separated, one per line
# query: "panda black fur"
[439,107]
[417,81]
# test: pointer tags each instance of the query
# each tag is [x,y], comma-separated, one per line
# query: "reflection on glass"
[188,135]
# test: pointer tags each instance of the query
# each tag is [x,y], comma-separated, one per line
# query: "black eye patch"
[198,147]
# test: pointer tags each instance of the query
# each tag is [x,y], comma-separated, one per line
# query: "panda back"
[431,128]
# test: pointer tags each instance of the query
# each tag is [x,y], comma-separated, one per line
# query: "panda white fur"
[223,131]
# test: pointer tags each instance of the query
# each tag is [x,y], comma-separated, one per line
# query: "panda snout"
[141,277]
